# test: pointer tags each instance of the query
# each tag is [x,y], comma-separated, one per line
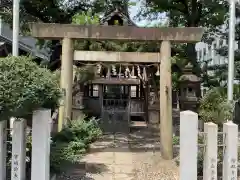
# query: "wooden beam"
[109,56]
[116,81]
[127,33]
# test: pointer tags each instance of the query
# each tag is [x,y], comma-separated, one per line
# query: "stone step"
[138,124]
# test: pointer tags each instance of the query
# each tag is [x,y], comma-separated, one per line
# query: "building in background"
[208,53]
[27,45]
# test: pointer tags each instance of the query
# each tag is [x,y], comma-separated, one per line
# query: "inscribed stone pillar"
[3,149]
[230,156]
[18,150]
[166,100]
[41,123]
[188,145]
[211,151]
[65,110]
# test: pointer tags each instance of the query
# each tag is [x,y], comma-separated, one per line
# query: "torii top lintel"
[126,33]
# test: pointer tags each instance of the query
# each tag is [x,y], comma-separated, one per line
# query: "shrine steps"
[138,124]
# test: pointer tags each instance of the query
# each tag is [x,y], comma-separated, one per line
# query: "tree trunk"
[192,55]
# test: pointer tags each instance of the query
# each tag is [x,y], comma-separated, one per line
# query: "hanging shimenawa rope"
[112,68]
[118,64]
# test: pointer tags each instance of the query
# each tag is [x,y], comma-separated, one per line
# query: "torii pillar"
[66,82]
[166,100]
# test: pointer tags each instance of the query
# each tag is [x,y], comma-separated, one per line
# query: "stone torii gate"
[69,32]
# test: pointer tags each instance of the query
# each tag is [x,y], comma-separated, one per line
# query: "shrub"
[25,87]
[214,106]
[72,142]
[82,129]
[176,140]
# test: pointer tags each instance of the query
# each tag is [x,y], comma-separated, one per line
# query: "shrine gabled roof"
[120,13]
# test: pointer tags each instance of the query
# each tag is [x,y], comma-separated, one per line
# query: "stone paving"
[120,156]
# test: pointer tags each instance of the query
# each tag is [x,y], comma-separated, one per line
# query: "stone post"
[166,131]
[230,160]
[41,145]
[3,149]
[188,145]
[65,110]
[211,152]
[18,150]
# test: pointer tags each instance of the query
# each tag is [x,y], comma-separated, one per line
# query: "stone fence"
[40,157]
[213,161]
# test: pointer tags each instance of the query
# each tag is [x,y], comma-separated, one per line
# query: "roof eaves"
[25,48]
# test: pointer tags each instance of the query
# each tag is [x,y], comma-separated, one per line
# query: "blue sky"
[134,10]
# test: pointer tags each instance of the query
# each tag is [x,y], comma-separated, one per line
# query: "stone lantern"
[189,89]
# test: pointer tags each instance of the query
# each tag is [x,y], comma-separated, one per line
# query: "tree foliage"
[220,72]
[25,87]
[214,106]
[47,11]
[188,13]
[56,11]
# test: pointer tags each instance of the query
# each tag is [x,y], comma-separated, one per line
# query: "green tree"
[48,11]
[188,13]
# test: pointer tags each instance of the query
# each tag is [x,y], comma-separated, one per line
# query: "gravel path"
[134,156]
